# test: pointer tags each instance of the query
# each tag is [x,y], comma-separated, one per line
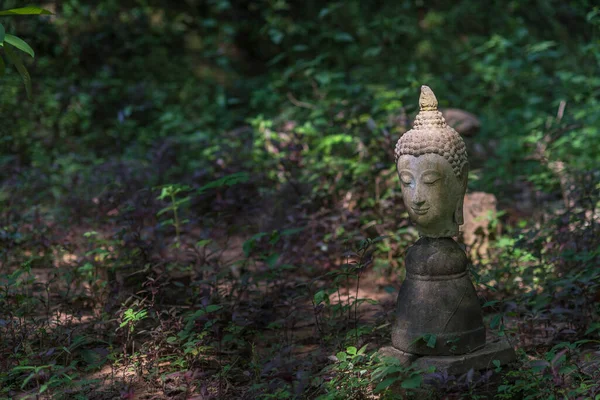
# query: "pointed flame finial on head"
[427,101]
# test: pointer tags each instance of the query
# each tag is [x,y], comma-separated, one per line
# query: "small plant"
[389,373]
[131,318]
[171,193]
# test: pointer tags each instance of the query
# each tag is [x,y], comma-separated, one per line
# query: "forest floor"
[109,303]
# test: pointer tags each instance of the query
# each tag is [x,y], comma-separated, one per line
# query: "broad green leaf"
[413,382]
[26,11]
[351,350]
[19,44]
[2,33]
[18,63]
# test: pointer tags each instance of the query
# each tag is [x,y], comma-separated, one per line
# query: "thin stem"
[175,217]
[356,308]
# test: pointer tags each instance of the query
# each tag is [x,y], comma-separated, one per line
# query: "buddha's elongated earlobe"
[458,213]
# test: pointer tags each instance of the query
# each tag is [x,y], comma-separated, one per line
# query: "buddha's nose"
[418,202]
[418,198]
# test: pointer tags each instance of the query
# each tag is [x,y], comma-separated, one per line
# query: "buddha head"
[432,165]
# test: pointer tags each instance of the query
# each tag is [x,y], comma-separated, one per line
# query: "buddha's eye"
[431,178]
[406,179]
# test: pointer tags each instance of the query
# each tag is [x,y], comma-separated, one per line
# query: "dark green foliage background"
[170,127]
[118,79]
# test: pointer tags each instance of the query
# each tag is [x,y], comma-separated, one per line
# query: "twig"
[299,103]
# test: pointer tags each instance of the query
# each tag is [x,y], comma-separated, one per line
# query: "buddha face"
[432,193]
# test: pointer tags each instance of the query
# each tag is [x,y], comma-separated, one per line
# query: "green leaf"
[26,381]
[413,382]
[343,37]
[431,339]
[203,243]
[213,308]
[229,180]
[341,356]
[385,384]
[272,260]
[320,297]
[16,60]
[164,210]
[496,320]
[351,350]
[291,231]
[250,243]
[2,33]
[43,388]
[19,44]
[490,303]
[26,11]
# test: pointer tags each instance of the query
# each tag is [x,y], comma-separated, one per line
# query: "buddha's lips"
[420,211]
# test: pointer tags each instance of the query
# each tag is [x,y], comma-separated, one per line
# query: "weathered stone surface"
[432,194]
[405,358]
[437,298]
[479,211]
[432,165]
[497,349]
[464,122]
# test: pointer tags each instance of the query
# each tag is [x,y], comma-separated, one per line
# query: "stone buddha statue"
[438,312]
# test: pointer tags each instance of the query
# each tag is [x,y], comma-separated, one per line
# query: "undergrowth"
[200,199]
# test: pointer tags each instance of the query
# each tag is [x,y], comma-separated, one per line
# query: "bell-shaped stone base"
[437,312]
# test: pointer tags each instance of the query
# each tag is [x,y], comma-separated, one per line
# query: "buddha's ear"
[464,178]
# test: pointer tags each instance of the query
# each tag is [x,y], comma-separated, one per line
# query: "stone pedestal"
[439,321]
[437,312]
[498,349]
[495,349]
